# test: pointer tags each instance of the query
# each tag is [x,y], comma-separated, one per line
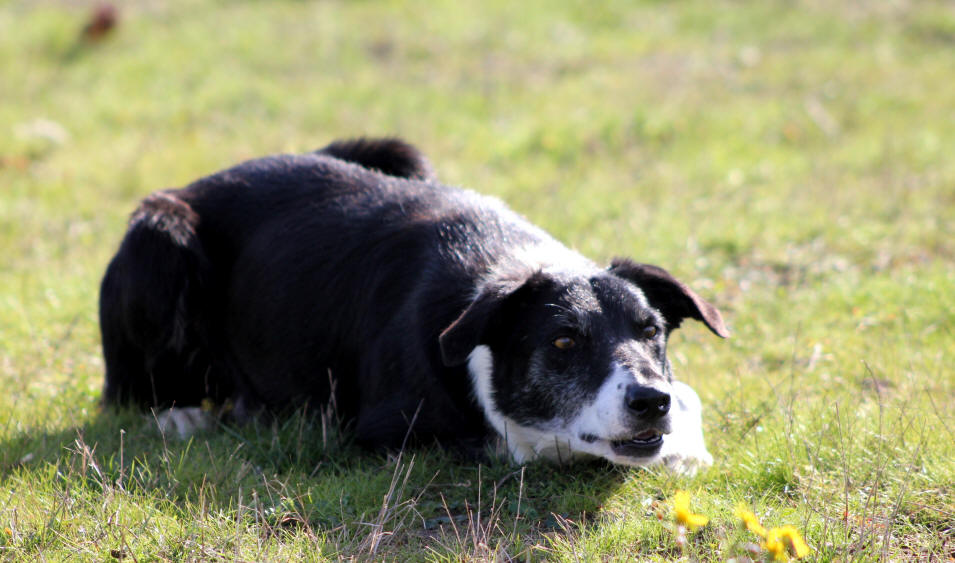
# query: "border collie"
[351,276]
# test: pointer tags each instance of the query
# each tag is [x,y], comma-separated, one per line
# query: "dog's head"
[570,362]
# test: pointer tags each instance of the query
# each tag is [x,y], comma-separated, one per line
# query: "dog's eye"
[564,343]
[649,331]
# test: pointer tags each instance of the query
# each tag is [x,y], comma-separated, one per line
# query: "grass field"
[792,161]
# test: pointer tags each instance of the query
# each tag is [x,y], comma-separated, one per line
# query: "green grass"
[792,161]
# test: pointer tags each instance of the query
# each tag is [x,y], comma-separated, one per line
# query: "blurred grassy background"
[790,160]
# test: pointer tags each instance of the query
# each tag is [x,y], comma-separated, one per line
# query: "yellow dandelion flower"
[785,541]
[682,513]
[750,521]
[797,546]
[775,547]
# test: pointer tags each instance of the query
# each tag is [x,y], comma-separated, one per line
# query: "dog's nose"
[647,402]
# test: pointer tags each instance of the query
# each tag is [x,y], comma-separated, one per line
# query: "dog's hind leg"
[152,309]
[183,422]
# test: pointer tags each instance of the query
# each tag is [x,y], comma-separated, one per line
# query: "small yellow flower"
[750,521]
[682,513]
[797,545]
[775,546]
[785,541]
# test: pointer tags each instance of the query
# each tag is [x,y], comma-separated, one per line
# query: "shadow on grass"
[302,473]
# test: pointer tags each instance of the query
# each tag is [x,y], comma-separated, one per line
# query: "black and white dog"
[351,275]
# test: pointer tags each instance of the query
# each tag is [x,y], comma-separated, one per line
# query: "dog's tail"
[154,304]
[388,155]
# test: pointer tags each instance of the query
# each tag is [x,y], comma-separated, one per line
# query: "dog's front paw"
[684,449]
[688,464]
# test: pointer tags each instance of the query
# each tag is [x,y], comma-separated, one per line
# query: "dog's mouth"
[644,444]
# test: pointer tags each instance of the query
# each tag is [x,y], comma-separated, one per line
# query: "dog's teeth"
[647,438]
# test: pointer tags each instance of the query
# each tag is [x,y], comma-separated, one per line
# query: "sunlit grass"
[790,161]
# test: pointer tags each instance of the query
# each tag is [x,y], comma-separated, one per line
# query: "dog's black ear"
[670,296]
[389,155]
[461,337]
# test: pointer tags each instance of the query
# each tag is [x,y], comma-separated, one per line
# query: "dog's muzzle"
[648,406]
